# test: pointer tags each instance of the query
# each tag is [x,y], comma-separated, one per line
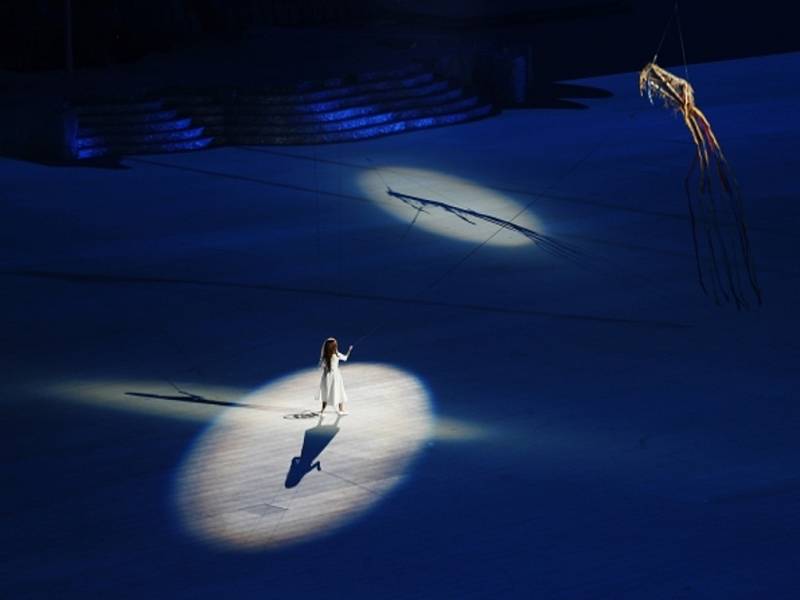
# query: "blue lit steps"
[360,133]
[136,137]
[334,110]
[163,147]
[260,118]
[345,82]
[362,107]
[305,92]
[349,122]
[269,105]
[135,127]
[350,90]
[304,103]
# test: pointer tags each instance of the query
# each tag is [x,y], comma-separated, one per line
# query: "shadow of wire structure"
[546,243]
[194,398]
[315,440]
[197,399]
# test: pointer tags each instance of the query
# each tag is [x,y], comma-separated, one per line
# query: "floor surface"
[524,423]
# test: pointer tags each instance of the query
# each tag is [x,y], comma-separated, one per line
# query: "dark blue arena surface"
[598,427]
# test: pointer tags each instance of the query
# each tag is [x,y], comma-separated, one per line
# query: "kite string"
[675,16]
[680,38]
[666,30]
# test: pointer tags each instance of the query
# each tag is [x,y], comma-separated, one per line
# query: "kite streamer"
[725,265]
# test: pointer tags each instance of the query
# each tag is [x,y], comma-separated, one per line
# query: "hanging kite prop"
[725,266]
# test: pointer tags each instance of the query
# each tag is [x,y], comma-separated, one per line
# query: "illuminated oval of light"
[435,192]
[252,481]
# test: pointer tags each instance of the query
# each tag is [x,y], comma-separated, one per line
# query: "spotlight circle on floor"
[451,191]
[261,479]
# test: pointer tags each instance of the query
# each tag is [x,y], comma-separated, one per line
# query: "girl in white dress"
[331,385]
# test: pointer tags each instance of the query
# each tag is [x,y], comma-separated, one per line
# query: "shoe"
[342,412]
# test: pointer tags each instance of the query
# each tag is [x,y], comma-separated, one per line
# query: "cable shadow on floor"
[195,399]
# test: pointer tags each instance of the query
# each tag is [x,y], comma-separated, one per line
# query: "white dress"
[331,385]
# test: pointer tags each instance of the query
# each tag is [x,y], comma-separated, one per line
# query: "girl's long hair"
[329,348]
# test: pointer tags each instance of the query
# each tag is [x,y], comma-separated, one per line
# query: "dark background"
[570,39]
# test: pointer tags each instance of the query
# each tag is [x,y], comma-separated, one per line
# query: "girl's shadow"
[315,440]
